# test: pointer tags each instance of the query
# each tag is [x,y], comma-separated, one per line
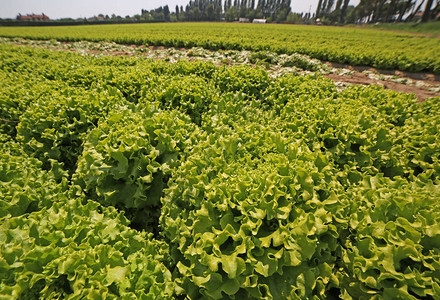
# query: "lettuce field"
[133,178]
[380,49]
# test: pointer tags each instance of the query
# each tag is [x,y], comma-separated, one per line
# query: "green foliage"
[127,160]
[250,81]
[24,186]
[263,207]
[190,94]
[19,88]
[74,251]
[247,220]
[54,126]
[394,251]
[197,181]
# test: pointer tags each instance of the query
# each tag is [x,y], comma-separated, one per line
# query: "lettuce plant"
[128,159]
[74,251]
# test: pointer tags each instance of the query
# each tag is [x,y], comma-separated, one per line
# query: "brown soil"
[359,78]
[155,47]
[415,76]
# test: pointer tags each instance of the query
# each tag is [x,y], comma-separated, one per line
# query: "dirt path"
[362,79]
[357,78]
[423,85]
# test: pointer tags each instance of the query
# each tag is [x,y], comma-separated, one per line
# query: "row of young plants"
[125,178]
[275,64]
[272,61]
[355,46]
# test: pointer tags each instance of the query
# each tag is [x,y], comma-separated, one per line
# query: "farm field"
[193,174]
[422,85]
[380,49]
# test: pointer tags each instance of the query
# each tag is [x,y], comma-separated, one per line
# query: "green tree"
[166,13]
[231,14]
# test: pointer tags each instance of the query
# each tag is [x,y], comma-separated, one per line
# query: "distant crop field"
[355,46]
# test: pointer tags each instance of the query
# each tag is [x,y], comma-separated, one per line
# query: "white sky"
[57,9]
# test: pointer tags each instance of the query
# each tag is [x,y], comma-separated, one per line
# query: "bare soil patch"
[421,93]
[358,78]
[415,76]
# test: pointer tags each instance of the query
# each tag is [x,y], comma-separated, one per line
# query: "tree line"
[373,11]
[330,12]
[223,10]
[280,11]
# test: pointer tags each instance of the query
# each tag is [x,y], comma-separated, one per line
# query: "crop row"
[353,46]
[125,178]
